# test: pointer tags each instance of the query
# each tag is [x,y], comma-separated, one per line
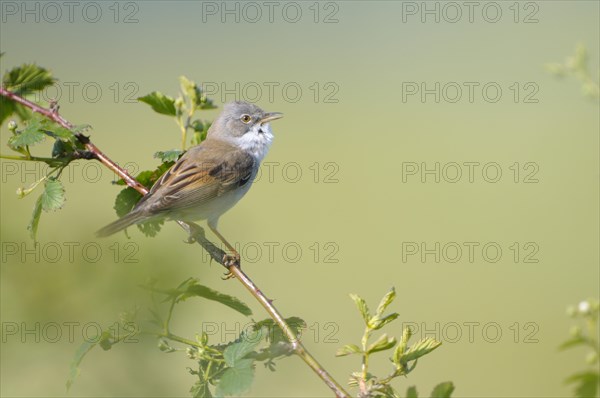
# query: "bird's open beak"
[271,116]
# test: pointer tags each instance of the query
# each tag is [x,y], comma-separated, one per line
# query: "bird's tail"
[127,220]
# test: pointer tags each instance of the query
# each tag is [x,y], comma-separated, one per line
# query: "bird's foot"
[230,260]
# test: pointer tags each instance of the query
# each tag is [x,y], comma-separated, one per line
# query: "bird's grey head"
[245,125]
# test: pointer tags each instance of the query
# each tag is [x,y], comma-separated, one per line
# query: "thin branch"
[198,233]
[53,115]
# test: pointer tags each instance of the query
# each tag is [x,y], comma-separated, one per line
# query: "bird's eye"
[246,118]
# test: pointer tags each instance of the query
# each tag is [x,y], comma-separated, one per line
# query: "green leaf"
[556,69]
[126,200]
[31,135]
[149,177]
[79,355]
[235,381]
[106,340]
[377,323]
[362,307]
[236,352]
[37,129]
[160,103]
[193,289]
[7,108]
[587,384]
[194,92]
[401,349]
[198,126]
[27,78]
[23,112]
[275,334]
[35,218]
[200,131]
[279,345]
[572,342]
[420,348]
[191,90]
[60,133]
[348,349]
[151,228]
[168,156]
[201,390]
[412,392]
[238,377]
[129,197]
[81,128]
[381,344]
[443,390]
[53,196]
[64,149]
[385,302]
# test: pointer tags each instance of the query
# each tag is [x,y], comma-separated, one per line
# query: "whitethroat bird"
[209,178]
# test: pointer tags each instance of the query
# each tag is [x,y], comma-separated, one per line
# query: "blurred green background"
[352,131]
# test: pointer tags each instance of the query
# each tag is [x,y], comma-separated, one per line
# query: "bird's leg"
[196,233]
[229,260]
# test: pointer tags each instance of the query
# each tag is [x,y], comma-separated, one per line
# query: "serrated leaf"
[168,156]
[420,348]
[385,302]
[348,349]
[37,130]
[381,344]
[27,78]
[235,381]
[443,390]
[151,228]
[35,218]
[53,197]
[31,135]
[193,289]
[60,133]
[275,334]
[235,354]
[129,197]
[160,103]
[411,392]
[126,200]
[362,307]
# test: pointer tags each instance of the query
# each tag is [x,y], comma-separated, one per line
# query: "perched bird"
[209,178]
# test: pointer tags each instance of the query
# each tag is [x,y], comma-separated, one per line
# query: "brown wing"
[199,176]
